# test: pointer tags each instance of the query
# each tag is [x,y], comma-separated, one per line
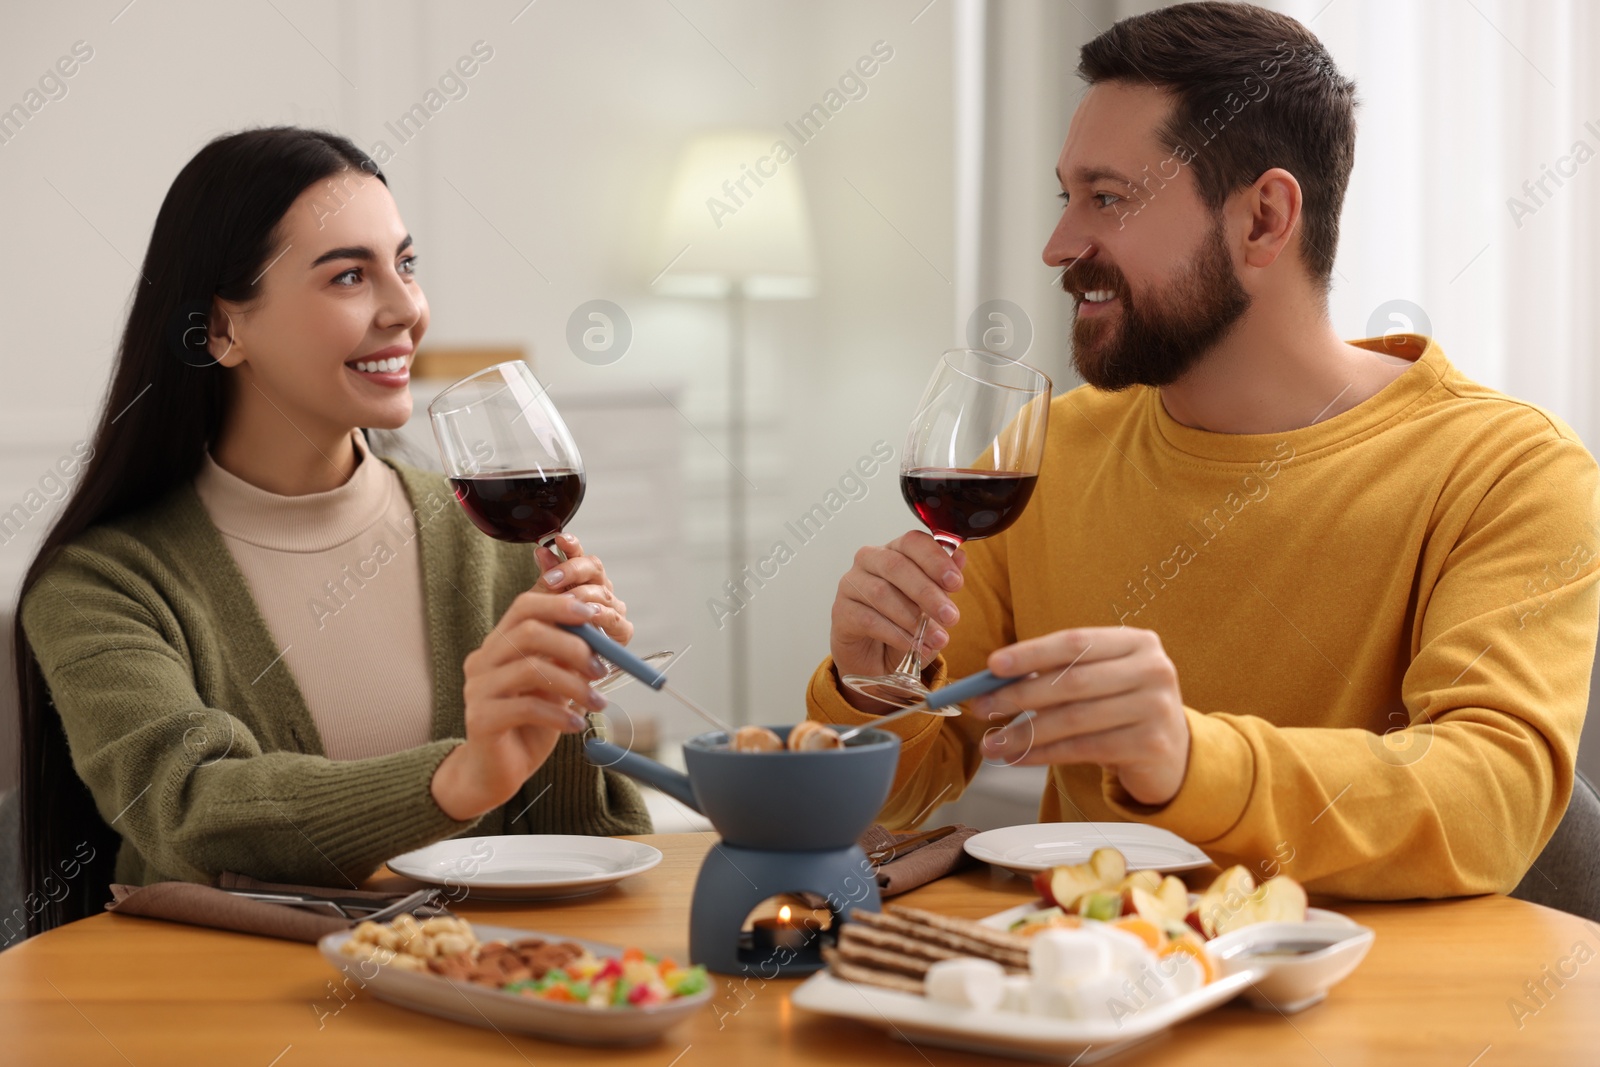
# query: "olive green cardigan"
[195,739]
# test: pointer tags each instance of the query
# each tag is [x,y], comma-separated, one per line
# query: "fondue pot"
[789,823]
[789,820]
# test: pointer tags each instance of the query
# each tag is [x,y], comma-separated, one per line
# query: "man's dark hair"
[1254,90]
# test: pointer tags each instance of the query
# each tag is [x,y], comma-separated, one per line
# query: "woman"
[263,644]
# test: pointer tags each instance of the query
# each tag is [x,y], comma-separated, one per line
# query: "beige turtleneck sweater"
[338,580]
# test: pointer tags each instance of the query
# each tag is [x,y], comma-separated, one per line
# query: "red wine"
[966,505]
[521,506]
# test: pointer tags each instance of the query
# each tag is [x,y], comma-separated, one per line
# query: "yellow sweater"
[1383,626]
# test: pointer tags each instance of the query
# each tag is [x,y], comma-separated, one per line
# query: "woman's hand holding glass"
[585,578]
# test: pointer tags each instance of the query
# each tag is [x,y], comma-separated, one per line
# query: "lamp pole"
[738,499]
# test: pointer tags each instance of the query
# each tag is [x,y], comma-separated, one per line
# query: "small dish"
[1039,846]
[1293,964]
[479,1005]
[527,866]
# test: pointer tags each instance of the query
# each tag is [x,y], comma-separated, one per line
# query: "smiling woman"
[185,707]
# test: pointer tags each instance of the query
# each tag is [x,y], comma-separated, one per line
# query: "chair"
[1566,876]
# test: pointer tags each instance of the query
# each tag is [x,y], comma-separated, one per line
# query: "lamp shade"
[736,214]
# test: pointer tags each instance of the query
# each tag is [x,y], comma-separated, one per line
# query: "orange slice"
[1143,929]
[1187,947]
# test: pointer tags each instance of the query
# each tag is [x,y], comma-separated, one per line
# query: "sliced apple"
[1165,907]
[1110,865]
[1149,881]
[1280,899]
[1225,896]
[1174,896]
[1041,885]
[1069,884]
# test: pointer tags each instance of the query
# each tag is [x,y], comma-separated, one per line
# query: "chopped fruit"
[1102,904]
[1149,881]
[1162,908]
[1145,930]
[1067,885]
[1109,864]
[1174,897]
[1104,889]
[1040,917]
[1059,922]
[1226,896]
[1187,947]
[1041,885]
[1280,899]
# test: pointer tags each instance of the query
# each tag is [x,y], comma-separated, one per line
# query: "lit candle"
[769,935]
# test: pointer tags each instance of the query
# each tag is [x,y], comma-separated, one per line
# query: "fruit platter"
[1103,959]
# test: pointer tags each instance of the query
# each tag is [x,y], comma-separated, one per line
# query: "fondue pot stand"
[789,823]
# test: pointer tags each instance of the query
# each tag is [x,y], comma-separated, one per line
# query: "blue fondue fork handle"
[974,685]
[609,650]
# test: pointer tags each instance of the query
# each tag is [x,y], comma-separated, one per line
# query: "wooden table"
[1438,987]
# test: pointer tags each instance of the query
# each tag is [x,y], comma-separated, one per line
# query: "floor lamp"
[736,229]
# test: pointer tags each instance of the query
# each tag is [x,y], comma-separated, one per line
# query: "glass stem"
[911,665]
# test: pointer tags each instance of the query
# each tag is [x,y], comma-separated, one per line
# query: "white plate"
[1042,845]
[478,1005]
[918,1020]
[527,866]
[1005,1033]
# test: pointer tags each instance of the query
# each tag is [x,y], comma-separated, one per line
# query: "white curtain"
[1476,185]
[1473,213]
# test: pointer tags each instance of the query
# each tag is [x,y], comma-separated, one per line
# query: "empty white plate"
[1040,846]
[527,866]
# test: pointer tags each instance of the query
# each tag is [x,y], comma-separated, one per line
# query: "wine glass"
[513,464]
[970,463]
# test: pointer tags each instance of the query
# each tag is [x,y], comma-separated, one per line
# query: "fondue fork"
[608,649]
[940,701]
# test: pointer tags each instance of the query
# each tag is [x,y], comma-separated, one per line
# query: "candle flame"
[783,914]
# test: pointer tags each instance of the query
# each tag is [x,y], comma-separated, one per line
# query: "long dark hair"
[214,237]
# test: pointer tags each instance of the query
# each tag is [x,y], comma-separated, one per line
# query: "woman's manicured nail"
[576,723]
[553,578]
[594,700]
[1003,662]
[597,667]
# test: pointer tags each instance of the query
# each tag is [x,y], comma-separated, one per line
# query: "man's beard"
[1156,345]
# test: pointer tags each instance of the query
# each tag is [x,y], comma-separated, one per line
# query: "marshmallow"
[1068,955]
[1014,992]
[1089,999]
[965,982]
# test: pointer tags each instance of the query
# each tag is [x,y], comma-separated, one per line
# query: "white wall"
[557,157]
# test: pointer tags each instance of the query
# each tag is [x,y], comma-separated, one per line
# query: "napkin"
[910,865]
[214,906]
[918,862]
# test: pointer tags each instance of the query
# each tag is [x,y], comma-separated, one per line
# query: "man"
[1315,606]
